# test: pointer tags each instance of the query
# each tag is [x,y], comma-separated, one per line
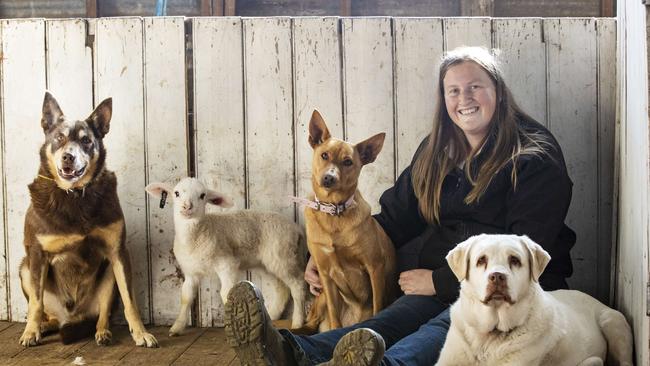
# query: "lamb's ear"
[218,199]
[318,132]
[156,189]
[538,257]
[458,258]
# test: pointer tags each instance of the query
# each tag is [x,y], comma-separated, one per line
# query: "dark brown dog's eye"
[60,138]
[347,162]
[176,193]
[514,261]
[202,196]
[325,156]
[482,260]
[85,140]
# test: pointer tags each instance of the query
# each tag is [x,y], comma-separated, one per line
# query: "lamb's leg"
[298,292]
[188,293]
[229,274]
[275,293]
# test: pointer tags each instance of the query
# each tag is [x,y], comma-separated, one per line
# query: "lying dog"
[354,257]
[503,317]
[75,235]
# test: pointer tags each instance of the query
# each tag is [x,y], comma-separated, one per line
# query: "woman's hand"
[417,282]
[311,276]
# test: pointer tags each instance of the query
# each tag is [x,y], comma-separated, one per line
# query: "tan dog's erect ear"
[156,189]
[539,258]
[218,199]
[369,149]
[101,116]
[318,132]
[458,258]
[52,113]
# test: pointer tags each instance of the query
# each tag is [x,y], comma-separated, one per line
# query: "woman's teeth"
[468,111]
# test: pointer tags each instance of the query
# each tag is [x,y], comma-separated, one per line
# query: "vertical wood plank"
[269,126]
[69,66]
[91,9]
[368,85]
[166,151]
[572,76]
[317,82]
[522,58]
[229,8]
[219,126]
[119,74]
[606,33]
[467,32]
[480,8]
[23,85]
[418,50]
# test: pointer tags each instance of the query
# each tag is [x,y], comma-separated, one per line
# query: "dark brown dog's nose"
[68,158]
[497,278]
[329,180]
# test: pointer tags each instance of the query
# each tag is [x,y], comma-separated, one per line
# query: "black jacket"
[537,208]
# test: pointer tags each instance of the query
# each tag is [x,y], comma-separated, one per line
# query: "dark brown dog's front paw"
[103,337]
[31,336]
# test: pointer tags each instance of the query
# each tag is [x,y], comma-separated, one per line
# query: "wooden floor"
[204,346]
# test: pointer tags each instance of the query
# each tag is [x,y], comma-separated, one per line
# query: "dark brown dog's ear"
[370,148]
[318,132]
[101,116]
[52,113]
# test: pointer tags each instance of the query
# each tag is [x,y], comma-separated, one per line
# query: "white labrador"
[503,317]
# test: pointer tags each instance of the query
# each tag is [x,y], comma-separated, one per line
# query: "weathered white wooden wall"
[235,111]
[634,184]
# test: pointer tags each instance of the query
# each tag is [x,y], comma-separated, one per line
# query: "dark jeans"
[413,327]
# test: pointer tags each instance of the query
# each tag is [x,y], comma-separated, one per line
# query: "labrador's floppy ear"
[538,257]
[458,258]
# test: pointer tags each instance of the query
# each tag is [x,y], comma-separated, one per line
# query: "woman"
[486,167]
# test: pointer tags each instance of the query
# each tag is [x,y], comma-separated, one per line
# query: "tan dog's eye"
[482,261]
[514,261]
[347,162]
[325,156]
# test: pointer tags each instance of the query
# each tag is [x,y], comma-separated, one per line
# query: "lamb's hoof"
[360,347]
[175,330]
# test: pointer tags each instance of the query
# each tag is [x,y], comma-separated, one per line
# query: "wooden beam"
[217,8]
[229,8]
[346,8]
[91,9]
[206,8]
[607,8]
[477,8]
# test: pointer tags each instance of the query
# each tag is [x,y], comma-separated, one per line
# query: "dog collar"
[67,191]
[329,208]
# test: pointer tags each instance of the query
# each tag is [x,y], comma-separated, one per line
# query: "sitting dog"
[75,235]
[354,257]
[503,317]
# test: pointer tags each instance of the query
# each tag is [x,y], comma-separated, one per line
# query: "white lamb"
[230,243]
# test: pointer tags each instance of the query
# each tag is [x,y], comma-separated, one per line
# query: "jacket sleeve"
[537,207]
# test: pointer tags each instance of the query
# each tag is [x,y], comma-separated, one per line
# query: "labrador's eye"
[514,261]
[482,261]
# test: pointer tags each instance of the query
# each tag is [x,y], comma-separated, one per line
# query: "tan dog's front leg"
[34,288]
[122,266]
[378,286]
[330,291]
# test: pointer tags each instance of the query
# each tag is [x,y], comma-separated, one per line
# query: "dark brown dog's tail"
[76,331]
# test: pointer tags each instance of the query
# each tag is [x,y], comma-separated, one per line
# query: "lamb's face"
[189,197]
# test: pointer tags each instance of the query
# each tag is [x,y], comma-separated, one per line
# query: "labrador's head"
[498,269]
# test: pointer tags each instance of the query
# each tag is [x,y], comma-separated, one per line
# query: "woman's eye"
[202,196]
[325,156]
[452,92]
[176,194]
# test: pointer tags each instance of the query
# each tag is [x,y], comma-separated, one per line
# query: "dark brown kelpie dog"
[354,257]
[75,235]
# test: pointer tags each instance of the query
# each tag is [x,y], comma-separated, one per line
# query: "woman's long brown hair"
[447,146]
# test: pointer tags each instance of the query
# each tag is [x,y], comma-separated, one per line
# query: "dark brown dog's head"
[73,152]
[336,164]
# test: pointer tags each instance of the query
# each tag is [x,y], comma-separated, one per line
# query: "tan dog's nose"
[497,278]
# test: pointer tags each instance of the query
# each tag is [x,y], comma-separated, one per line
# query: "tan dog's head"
[498,269]
[336,164]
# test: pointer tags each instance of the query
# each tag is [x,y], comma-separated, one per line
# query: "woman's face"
[470,97]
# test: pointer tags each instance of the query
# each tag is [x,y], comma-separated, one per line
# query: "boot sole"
[361,347]
[244,324]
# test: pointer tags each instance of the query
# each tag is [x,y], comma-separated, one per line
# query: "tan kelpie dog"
[354,257]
